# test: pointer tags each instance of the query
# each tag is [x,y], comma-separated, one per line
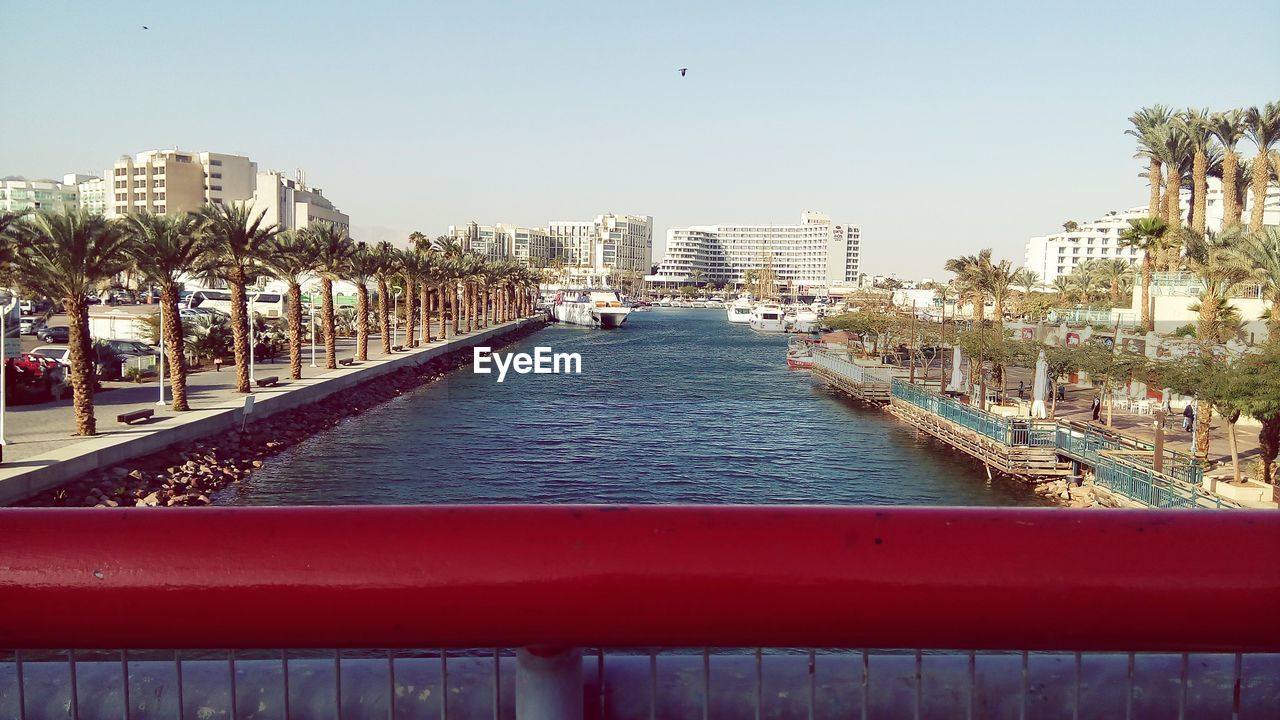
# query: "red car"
[33,377]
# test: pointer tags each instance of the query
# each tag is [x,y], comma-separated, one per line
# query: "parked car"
[61,353]
[93,299]
[114,356]
[54,334]
[34,377]
[130,347]
[29,324]
[27,307]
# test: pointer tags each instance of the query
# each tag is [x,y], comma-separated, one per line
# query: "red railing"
[626,576]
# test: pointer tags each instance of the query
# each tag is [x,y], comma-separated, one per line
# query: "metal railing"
[1085,443]
[1014,432]
[844,366]
[1138,481]
[655,577]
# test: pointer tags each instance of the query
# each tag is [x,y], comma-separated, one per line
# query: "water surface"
[676,406]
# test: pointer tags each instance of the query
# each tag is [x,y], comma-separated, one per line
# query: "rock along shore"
[188,473]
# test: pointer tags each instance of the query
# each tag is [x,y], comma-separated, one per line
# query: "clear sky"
[939,127]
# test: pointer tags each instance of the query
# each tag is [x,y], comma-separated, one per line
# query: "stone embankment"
[187,474]
[1067,493]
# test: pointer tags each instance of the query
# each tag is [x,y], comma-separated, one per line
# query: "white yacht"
[739,311]
[768,317]
[805,320]
[602,308]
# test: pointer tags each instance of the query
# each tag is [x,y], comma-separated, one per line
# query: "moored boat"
[767,317]
[739,311]
[594,308]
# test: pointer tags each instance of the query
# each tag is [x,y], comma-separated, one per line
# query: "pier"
[1126,468]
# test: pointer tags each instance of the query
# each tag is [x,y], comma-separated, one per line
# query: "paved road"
[31,430]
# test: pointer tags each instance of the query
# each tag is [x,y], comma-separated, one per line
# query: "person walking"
[1188,417]
[1097,407]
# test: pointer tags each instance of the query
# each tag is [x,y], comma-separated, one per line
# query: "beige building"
[609,243]
[530,246]
[18,194]
[174,181]
[292,205]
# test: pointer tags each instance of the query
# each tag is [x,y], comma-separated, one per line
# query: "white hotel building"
[1058,254]
[816,253]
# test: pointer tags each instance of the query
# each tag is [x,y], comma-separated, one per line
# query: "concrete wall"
[31,476]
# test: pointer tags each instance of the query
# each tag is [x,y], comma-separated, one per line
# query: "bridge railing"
[840,363]
[1015,432]
[552,579]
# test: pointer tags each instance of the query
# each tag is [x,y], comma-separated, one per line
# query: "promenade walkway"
[43,451]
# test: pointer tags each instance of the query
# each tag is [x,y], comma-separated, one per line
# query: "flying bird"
[683,71]
[144,27]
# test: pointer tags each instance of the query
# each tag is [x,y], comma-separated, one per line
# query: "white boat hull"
[580,313]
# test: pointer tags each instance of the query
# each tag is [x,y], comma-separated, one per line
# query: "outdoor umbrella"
[1040,388]
[957,383]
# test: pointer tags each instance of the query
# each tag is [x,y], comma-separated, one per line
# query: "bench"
[268,381]
[347,361]
[129,417]
[397,348]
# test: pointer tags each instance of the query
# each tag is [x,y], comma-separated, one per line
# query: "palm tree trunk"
[425,302]
[1204,416]
[1199,189]
[444,329]
[453,306]
[1231,442]
[1153,178]
[1173,200]
[330,341]
[1147,262]
[240,331]
[384,316]
[295,330]
[362,321]
[470,299]
[409,294]
[1230,207]
[1269,445]
[1259,191]
[82,365]
[173,346]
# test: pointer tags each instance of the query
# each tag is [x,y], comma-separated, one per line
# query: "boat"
[767,317]
[594,308]
[739,311]
[805,320]
[800,353]
[698,303]
[664,302]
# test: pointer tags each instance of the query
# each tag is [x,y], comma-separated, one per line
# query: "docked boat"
[805,320]
[767,317]
[800,353]
[594,308]
[739,311]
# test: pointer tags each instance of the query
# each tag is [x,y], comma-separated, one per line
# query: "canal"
[677,406]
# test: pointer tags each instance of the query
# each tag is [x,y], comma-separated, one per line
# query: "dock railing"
[1123,473]
[839,361]
[1014,432]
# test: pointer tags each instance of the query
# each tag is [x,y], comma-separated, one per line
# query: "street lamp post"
[311,299]
[7,301]
[252,341]
[395,318]
[160,374]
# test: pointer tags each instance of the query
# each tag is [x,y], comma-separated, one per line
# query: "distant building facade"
[291,204]
[1057,254]
[609,245]
[814,254]
[18,194]
[527,245]
[167,182]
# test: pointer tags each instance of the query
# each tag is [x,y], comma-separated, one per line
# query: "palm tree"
[333,250]
[1193,124]
[166,248]
[1000,278]
[388,266]
[1147,235]
[451,252]
[1149,125]
[1228,127]
[1262,127]
[362,268]
[429,269]
[972,279]
[1115,272]
[1063,286]
[289,256]
[65,255]
[407,264]
[1178,161]
[237,242]
[1258,253]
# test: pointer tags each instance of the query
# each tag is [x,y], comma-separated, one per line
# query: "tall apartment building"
[1059,253]
[530,246]
[611,242]
[18,194]
[291,204]
[92,191]
[816,253]
[173,181]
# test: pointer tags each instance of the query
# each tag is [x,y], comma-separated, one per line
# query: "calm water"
[676,406]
